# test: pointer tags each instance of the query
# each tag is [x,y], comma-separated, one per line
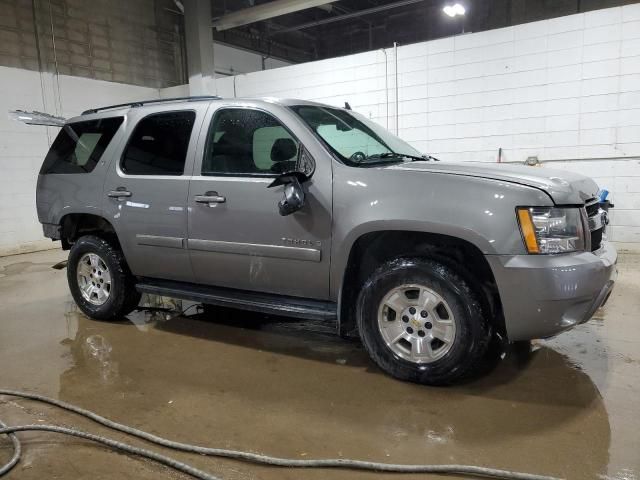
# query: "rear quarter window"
[80,145]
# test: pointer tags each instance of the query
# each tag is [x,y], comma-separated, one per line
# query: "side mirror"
[293,196]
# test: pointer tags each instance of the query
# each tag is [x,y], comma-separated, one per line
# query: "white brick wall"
[23,147]
[566,90]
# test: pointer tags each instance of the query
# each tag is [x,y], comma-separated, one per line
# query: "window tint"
[80,145]
[158,145]
[248,142]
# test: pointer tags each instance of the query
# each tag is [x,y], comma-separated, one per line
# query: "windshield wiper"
[390,155]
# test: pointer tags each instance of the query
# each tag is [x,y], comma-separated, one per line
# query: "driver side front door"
[236,236]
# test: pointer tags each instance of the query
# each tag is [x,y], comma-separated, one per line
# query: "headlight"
[552,230]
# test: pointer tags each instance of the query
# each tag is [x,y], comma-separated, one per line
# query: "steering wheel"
[358,157]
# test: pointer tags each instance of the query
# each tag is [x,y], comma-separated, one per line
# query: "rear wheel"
[99,279]
[420,322]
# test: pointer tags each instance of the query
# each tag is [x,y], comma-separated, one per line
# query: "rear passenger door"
[238,239]
[145,194]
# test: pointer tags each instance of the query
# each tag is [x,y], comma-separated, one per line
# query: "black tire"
[123,297]
[473,329]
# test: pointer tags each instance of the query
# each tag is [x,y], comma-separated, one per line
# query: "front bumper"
[543,295]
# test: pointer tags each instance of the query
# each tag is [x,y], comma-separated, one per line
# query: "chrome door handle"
[210,198]
[119,193]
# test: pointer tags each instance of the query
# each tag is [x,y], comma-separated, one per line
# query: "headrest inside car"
[283,149]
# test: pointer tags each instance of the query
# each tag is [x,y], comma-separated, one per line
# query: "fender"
[379,199]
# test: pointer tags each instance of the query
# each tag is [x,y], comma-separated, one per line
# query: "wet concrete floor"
[570,407]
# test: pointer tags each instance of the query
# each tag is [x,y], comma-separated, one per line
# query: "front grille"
[592,207]
[596,239]
[597,222]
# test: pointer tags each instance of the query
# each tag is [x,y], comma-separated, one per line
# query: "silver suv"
[296,208]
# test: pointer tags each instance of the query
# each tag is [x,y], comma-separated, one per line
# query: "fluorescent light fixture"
[454,10]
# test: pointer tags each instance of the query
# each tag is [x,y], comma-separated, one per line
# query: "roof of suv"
[154,103]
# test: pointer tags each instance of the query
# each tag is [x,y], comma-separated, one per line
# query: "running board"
[241,299]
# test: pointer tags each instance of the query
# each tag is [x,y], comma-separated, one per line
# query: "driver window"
[242,141]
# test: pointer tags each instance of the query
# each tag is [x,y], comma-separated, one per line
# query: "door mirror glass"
[292,200]
[293,197]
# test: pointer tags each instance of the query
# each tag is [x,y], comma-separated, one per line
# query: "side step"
[245,300]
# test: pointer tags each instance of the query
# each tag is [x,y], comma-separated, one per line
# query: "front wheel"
[99,279]
[419,321]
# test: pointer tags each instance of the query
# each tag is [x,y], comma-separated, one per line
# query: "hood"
[564,188]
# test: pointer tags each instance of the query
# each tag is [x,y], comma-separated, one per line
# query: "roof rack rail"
[146,102]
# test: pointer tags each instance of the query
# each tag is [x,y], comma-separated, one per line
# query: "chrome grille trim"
[597,221]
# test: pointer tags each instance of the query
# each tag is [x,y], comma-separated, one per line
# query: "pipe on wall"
[395,56]
[386,83]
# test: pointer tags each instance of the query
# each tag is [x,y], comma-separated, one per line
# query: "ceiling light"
[453,10]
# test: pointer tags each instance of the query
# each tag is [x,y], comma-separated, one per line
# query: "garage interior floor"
[568,407]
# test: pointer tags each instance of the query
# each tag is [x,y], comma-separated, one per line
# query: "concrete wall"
[136,42]
[23,147]
[565,90]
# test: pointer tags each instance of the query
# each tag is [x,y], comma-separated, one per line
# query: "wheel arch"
[74,225]
[371,249]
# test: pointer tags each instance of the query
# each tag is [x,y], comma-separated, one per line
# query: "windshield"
[356,140]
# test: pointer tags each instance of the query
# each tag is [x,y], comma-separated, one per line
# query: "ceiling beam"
[264,12]
[347,16]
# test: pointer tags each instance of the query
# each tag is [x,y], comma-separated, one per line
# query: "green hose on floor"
[469,470]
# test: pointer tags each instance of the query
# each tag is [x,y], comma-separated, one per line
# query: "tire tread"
[124,297]
[470,363]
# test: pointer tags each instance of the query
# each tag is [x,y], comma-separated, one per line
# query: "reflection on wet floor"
[567,407]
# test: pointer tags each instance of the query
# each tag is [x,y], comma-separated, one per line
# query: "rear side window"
[158,145]
[80,145]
